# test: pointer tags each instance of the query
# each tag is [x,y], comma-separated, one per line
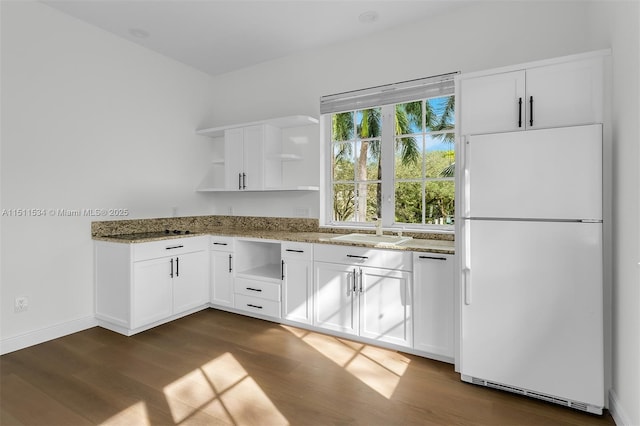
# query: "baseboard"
[620,416]
[42,335]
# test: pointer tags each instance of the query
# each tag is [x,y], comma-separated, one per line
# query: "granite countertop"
[147,230]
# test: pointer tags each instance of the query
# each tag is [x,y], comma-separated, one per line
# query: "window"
[390,154]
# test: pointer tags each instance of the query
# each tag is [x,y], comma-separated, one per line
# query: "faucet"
[378,226]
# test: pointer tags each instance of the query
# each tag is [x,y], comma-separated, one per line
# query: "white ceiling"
[219,36]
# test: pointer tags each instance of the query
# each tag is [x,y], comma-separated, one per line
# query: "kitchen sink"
[372,239]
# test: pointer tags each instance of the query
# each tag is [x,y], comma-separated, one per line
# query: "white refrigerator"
[532,265]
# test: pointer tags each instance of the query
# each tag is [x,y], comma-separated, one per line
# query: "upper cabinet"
[565,93]
[253,156]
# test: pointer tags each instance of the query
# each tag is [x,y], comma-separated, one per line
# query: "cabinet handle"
[220,244]
[244,181]
[355,288]
[432,257]
[173,247]
[171,273]
[177,266]
[357,257]
[239,180]
[254,306]
[282,270]
[295,251]
[259,290]
[361,279]
[531,111]
[230,264]
[519,112]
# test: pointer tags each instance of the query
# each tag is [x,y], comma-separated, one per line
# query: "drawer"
[257,305]
[170,247]
[219,243]
[293,250]
[363,256]
[255,288]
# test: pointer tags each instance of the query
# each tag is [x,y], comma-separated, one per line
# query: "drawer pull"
[254,306]
[220,244]
[254,289]
[357,257]
[432,257]
[230,257]
[295,251]
[174,247]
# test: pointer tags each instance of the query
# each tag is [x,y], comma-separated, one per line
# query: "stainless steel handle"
[239,180]
[244,181]
[355,284]
[361,279]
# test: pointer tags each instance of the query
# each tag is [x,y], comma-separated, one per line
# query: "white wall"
[89,120]
[619,23]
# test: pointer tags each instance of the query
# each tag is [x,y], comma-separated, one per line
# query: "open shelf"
[281,122]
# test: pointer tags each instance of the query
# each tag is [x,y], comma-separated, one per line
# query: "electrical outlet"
[22,304]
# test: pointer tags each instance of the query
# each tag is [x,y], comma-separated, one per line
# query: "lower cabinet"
[362,300]
[297,282]
[145,284]
[434,304]
[221,260]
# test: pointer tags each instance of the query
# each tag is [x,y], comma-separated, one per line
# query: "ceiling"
[220,36]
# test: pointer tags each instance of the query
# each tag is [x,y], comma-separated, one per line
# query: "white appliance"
[532,264]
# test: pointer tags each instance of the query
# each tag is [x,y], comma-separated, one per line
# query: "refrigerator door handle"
[466,279]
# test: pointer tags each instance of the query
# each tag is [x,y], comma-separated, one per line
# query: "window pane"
[440,113]
[343,162]
[440,156]
[408,118]
[368,202]
[408,202]
[408,157]
[369,123]
[439,202]
[369,166]
[342,126]
[344,197]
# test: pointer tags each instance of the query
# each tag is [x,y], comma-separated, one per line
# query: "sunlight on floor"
[134,415]
[222,389]
[372,366]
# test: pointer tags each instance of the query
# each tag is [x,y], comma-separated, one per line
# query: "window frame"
[388,182]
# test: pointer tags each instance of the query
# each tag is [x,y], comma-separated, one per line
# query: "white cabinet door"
[385,305]
[566,94]
[335,302]
[557,95]
[493,103]
[222,278]
[433,318]
[190,281]
[152,291]
[233,158]
[297,290]
[254,139]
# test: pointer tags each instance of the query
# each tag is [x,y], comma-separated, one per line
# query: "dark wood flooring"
[214,367]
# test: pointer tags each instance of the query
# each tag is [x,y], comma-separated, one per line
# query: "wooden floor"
[215,367]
